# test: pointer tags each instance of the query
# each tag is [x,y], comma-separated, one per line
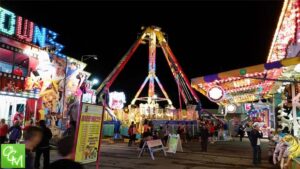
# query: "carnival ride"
[154,37]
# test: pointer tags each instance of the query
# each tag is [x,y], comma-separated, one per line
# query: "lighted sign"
[231,108]
[247,106]
[117,100]
[215,94]
[9,18]
[23,29]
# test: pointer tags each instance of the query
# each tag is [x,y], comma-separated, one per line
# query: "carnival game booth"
[36,80]
[276,80]
[241,91]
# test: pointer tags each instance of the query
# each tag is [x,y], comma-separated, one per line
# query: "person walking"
[185,133]
[70,130]
[241,132]
[32,138]
[3,131]
[65,147]
[271,145]
[43,147]
[204,137]
[248,130]
[132,134]
[211,132]
[161,134]
[167,131]
[146,133]
[255,136]
[182,132]
[15,133]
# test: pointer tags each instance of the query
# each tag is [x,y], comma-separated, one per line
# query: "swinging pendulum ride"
[155,38]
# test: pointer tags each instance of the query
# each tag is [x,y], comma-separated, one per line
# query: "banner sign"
[89,133]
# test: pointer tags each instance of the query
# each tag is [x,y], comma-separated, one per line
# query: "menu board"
[89,131]
[173,143]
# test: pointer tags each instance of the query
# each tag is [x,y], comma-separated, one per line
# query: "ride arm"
[116,71]
[168,53]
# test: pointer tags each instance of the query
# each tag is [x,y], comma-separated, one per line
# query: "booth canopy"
[249,83]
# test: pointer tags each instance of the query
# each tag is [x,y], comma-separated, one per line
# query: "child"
[271,147]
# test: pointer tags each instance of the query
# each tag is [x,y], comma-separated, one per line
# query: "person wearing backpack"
[15,133]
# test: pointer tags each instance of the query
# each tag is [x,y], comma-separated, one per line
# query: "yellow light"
[276,42]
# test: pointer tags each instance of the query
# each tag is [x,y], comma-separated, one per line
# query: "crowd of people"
[36,139]
[209,132]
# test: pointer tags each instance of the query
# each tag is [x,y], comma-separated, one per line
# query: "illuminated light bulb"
[215,93]
[40,36]
[24,30]
[231,108]
[7,17]
[51,37]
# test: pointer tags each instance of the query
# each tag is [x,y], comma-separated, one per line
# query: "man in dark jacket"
[255,136]
[43,147]
[32,138]
[204,137]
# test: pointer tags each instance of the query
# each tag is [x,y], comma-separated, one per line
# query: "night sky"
[206,37]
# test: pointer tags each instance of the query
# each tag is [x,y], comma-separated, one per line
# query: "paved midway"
[221,155]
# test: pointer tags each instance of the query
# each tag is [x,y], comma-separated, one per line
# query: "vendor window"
[6,60]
